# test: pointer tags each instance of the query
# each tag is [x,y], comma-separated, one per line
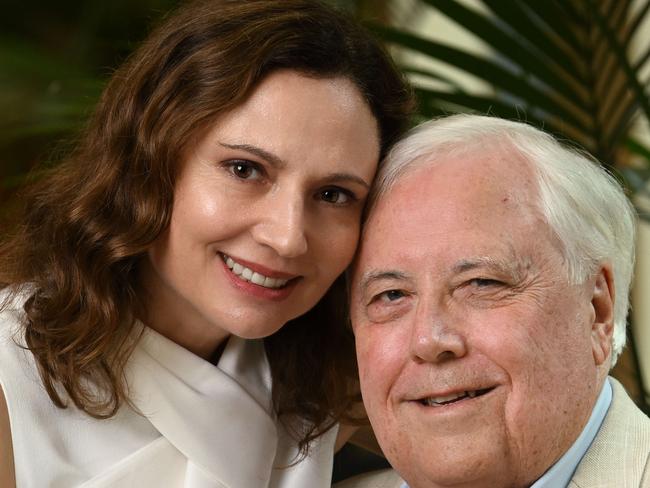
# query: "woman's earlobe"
[602,301]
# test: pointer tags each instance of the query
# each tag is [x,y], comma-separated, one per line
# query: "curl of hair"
[89,222]
[584,205]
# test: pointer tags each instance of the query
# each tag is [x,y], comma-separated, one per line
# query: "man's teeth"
[249,275]
[443,400]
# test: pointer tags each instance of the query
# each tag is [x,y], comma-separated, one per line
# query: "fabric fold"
[197,426]
[228,437]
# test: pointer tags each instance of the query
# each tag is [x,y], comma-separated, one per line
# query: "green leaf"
[529,26]
[557,17]
[460,102]
[487,70]
[433,75]
[621,57]
[525,56]
[636,21]
[634,146]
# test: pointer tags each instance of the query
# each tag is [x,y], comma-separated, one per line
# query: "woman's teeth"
[249,275]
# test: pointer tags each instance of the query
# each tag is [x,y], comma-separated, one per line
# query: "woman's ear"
[602,301]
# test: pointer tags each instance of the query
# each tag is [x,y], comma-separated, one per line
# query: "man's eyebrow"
[506,266]
[257,151]
[377,275]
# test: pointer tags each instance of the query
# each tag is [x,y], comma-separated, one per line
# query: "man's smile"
[433,401]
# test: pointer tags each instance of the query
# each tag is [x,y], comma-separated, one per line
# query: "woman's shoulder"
[19,377]
[12,315]
[66,443]
[12,301]
[7,475]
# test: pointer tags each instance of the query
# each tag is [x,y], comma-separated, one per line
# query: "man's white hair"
[581,202]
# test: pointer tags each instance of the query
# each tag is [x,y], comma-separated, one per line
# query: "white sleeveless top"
[204,426]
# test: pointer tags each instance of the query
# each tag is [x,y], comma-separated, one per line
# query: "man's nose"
[435,338]
[282,225]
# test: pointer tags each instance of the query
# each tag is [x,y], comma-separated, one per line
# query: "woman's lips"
[258,280]
[248,274]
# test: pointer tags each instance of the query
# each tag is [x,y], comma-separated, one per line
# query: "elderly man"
[488,302]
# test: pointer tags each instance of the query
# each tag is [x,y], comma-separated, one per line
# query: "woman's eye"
[244,170]
[337,196]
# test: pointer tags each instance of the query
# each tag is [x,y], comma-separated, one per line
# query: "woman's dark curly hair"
[88,224]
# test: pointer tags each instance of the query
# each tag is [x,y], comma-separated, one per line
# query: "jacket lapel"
[616,457]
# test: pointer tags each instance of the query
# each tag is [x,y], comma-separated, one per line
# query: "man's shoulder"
[621,449]
[626,419]
[385,478]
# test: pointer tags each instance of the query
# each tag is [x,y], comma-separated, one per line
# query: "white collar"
[219,417]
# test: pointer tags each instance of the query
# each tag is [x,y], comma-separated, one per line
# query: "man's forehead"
[495,167]
[473,206]
[475,185]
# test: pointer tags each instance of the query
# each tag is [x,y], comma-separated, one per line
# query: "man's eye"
[244,170]
[389,305]
[336,196]
[391,295]
[484,282]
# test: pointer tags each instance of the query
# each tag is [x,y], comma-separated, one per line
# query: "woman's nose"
[282,226]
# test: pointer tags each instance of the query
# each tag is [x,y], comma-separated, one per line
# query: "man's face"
[479,362]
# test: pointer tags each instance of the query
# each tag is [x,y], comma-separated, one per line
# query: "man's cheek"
[365,366]
[376,369]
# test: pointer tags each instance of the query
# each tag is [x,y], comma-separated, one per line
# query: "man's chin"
[457,466]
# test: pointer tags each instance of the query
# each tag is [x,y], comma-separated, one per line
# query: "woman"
[215,197]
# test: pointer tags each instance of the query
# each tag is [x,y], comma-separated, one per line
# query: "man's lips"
[438,400]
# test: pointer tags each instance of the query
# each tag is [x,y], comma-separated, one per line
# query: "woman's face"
[266,212]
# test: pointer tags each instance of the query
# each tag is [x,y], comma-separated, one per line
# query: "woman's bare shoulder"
[7,475]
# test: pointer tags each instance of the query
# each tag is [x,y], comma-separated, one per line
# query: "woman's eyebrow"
[257,151]
[348,177]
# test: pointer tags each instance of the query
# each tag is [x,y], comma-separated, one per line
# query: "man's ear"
[602,301]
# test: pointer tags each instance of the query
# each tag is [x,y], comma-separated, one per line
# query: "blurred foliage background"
[578,68]
[54,60]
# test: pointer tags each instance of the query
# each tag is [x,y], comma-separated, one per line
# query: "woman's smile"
[257,274]
[258,281]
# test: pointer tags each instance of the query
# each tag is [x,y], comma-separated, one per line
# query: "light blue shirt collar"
[561,472]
